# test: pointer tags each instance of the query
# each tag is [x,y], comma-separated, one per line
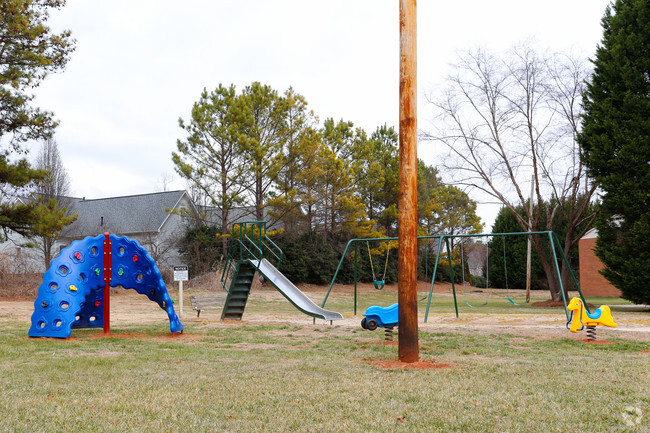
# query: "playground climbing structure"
[74,292]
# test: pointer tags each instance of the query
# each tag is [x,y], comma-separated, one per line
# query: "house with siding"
[592,283]
[156,220]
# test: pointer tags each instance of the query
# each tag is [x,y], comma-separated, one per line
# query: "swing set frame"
[555,247]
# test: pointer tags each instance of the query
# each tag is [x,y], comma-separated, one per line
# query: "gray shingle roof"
[126,215]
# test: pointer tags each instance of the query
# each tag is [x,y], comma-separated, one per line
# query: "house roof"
[591,234]
[144,213]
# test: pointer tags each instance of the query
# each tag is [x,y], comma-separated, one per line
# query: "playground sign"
[181,273]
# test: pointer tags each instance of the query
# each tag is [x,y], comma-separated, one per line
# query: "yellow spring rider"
[581,318]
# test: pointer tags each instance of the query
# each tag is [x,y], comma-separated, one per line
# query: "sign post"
[180,274]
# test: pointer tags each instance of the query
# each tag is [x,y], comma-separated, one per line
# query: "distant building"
[157,221]
[592,283]
[476,258]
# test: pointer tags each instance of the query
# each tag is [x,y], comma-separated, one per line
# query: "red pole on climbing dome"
[108,277]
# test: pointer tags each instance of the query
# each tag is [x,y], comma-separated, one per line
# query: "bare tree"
[56,187]
[161,249]
[507,121]
[165,180]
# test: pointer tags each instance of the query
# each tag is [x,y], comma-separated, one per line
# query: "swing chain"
[379,284]
[371,265]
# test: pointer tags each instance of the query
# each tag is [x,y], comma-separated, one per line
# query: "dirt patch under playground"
[128,308]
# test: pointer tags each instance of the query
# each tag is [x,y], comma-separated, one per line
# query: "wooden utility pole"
[407,220]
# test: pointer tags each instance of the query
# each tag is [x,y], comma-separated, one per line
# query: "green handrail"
[263,241]
[234,250]
[243,247]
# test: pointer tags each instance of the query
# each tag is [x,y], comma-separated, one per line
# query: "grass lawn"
[294,376]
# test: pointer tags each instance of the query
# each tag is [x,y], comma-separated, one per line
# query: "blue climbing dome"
[71,295]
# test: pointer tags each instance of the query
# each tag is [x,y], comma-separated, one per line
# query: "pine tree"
[210,157]
[28,53]
[616,143]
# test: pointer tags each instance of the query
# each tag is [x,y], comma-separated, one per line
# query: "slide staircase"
[240,288]
[246,256]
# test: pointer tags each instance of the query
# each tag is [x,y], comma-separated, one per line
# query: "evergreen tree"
[308,258]
[616,142]
[376,177]
[263,137]
[454,213]
[428,182]
[29,52]
[507,269]
[210,158]
[201,248]
[284,204]
[341,204]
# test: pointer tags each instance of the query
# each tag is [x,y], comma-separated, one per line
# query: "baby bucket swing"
[379,284]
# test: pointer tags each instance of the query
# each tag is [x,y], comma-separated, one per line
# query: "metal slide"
[292,293]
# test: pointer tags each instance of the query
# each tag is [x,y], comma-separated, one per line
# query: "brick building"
[592,282]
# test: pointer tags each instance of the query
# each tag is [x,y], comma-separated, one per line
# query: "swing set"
[556,254]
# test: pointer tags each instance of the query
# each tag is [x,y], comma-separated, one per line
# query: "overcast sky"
[141,64]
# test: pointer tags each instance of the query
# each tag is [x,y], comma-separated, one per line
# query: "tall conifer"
[616,143]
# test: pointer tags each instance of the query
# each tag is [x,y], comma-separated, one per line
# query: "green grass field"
[300,377]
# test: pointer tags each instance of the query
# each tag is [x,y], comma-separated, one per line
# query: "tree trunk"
[47,251]
[549,269]
[224,232]
[259,198]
